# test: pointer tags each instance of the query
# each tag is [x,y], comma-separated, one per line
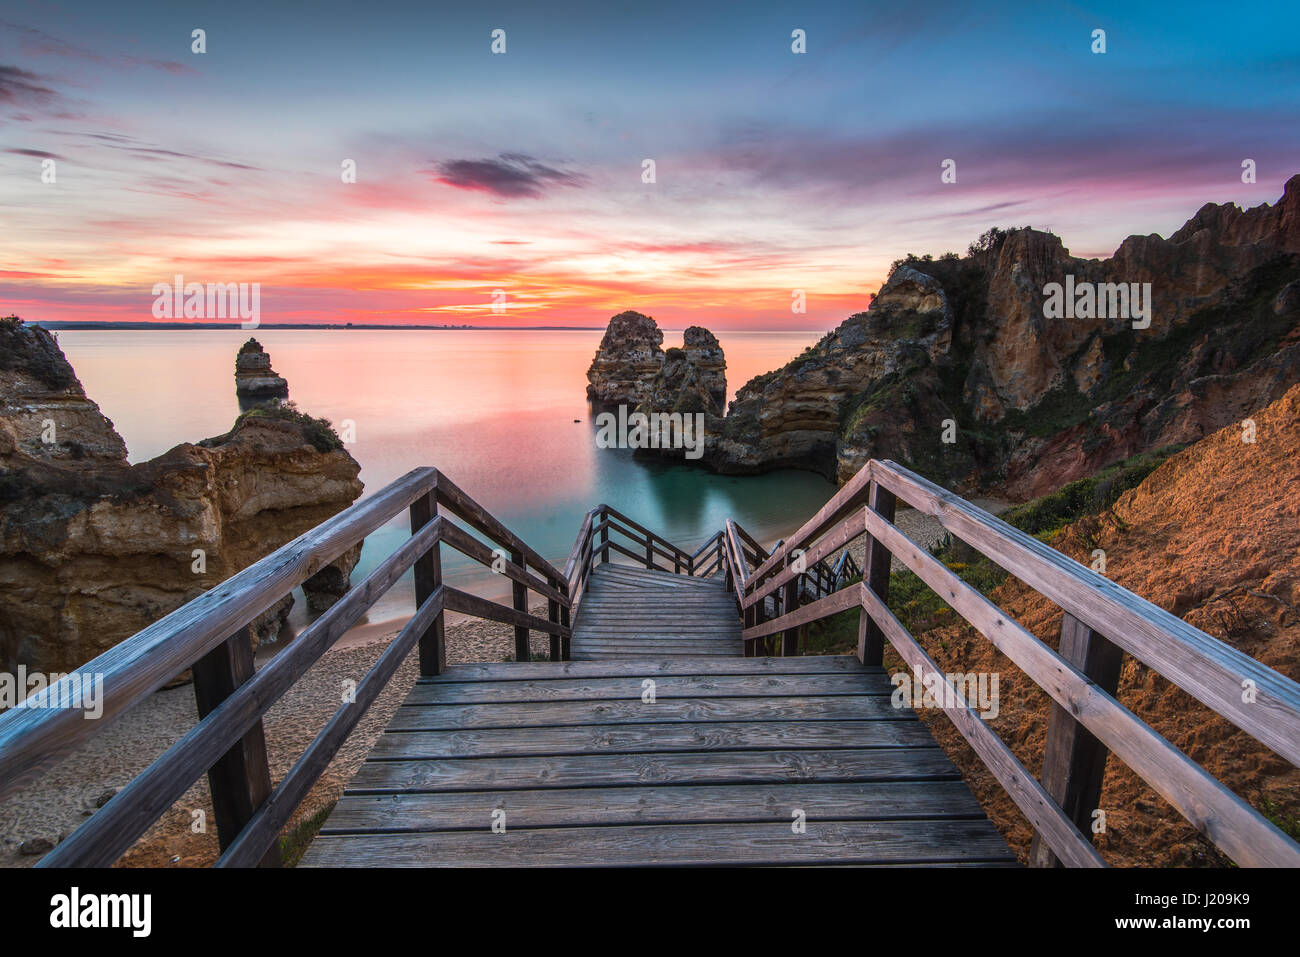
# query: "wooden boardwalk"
[629,612]
[669,760]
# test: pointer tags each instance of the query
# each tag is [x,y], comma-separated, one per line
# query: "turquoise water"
[494,410]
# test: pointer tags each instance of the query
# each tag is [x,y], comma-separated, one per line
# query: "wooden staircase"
[663,729]
[664,760]
[631,612]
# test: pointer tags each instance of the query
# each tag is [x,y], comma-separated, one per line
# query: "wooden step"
[713,770]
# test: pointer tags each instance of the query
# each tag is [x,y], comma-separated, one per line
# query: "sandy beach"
[69,791]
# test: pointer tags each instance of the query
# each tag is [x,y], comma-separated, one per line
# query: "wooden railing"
[1102,622]
[594,542]
[211,636]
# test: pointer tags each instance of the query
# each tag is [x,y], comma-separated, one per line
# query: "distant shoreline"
[73,325]
[70,324]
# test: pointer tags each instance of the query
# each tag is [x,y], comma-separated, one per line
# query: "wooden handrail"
[236,703]
[143,663]
[1191,659]
[1208,669]
[1231,823]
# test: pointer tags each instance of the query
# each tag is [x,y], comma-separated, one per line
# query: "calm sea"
[494,410]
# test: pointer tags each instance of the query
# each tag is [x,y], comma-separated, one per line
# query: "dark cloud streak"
[510,175]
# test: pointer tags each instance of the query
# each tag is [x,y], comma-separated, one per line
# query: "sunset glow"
[524,172]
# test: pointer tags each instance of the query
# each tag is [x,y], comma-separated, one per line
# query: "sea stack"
[94,548]
[627,361]
[692,378]
[255,380]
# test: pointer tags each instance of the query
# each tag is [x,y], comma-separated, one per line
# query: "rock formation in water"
[255,380]
[691,379]
[962,349]
[92,548]
[627,361]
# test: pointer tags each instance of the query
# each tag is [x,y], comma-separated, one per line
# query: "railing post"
[564,620]
[604,539]
[649,552]
[790,637]
[520,594]
[871,640]
[428,578]
[240,781]
[755,617]
[1074,761]
[553,615]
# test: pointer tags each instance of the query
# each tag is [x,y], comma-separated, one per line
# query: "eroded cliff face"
[957,370]
[691,379]
[795,416]
[255,380]
[627,361]
[92,548]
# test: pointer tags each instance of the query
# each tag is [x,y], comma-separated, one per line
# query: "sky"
[523,171]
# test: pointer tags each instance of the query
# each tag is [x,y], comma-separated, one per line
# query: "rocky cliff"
[93,548]
[627,361]
[691,379]
[957,370]
[255,380]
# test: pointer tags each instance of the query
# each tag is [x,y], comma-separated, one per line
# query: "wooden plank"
[865,842]
[644,531]
[606,770]
[428,578]
[822,608]
[519,596]
[1228,821]
[510,671]
[107,834]
[847,531]
[240,780]
[261,835]
[30,738]
[460,504]
[517,572]
[612,689]
[687,804]
[875,707]
[456,600]
[848,499]
[1212,672]
[650,738]
[1027,794]
[1074,762]
[790,604]
[575,554]
[871,639]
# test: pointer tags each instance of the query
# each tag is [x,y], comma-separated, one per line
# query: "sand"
[67,792]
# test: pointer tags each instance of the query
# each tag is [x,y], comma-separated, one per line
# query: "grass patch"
[1288,824]
[920,609]
[1047,515]
[318,432]
[293,845]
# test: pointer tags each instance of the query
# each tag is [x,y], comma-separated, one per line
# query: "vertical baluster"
[428,578]
[871,640]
